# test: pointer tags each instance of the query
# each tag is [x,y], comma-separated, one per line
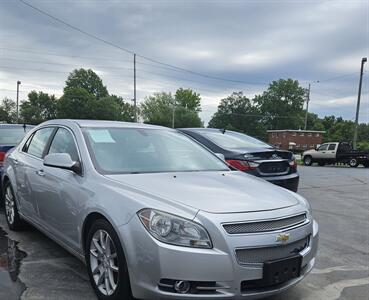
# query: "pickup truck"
[334,152]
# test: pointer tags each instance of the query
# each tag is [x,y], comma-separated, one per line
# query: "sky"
[248,43]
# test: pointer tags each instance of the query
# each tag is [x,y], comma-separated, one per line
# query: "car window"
[136,150]
[63,142]
[12,136]
[233,140]
[323,147]
[332,146]
[39,141]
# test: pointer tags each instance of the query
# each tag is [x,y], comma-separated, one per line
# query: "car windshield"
[142,150]
[11,136]
[234,140]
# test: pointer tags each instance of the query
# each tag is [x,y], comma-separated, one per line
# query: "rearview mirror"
[62,161]
[221,156]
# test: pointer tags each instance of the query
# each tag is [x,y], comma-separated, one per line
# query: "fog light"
[182,287]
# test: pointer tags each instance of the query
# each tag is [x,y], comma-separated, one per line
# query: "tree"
[282,104]
[237,112]
[126,110]
[8,111]
[40,107]
[76,103]
[188,99]
[114,108]
[87,80]
[158,109]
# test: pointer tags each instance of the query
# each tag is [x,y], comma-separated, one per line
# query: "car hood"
[214,192]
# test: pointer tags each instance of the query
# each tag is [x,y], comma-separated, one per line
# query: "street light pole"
[363,61]
[307,106]
[18,84]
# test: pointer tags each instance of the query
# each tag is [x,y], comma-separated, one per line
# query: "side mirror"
[62,161]
[221,156]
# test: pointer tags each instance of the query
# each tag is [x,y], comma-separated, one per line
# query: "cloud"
[251,41]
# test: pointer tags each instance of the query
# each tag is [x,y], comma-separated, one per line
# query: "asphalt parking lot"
[34,267]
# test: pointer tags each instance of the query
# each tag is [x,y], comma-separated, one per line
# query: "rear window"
[234,140]
[12,136]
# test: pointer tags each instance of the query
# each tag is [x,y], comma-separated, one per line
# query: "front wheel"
[353,163]
[13,219]
[308,161]
[106,263]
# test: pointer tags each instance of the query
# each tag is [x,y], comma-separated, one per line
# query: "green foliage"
[158,109]
[237,112]
[40,107]
[87,80]
[281,105]
[8,111]
[188,99]
[363,146]
[114,108]
[76,103]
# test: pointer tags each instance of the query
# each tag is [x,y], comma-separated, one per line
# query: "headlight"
[174,230]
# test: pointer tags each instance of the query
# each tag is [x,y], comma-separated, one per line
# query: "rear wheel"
[308,160]
[106,263]
[11,209]
[353,163]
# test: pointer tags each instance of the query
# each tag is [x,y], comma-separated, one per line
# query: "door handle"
[40,173]
[15,161]
[323,152]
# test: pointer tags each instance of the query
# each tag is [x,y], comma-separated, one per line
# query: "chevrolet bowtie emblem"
[282,237]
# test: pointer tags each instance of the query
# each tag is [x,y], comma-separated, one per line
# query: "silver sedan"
[155,215]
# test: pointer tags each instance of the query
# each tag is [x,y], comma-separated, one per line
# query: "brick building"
[295,139]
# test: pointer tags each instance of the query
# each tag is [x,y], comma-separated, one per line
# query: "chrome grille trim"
[265,226]
[260,255]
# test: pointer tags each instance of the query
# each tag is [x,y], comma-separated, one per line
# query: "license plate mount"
[282,270]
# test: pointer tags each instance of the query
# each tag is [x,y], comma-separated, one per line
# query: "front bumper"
[150,261]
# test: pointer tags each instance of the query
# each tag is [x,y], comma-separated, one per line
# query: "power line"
[131,51]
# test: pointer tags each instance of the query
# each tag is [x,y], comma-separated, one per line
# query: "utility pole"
[363,61]
[134,86]
[18,84]
[173,114]
[307,106]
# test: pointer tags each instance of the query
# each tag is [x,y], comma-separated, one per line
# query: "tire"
[103,242]
[353,163]
[322,164]
[308,160]
[12,216]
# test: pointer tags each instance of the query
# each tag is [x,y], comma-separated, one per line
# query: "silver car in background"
[155,215]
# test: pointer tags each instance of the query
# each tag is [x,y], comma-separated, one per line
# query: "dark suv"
[250,155]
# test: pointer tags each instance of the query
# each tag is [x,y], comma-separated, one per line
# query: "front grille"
[261,255]
[264,226]
[274,167]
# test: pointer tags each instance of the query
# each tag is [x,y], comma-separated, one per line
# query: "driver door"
[60,205]
[321,153]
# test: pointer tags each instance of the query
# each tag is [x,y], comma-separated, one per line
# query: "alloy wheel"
[104,262]
[9,205]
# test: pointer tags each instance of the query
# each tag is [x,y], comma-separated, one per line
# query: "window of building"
[317,134]
[312,146]
[298,146]
[284,135]
[294,134]
[305,146]
[309,134]
[302,134]
[273,134]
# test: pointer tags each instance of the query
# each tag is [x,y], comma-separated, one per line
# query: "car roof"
[8,126]
[102,124]
[199,129]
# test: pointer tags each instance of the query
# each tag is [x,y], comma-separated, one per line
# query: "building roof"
[296,130]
